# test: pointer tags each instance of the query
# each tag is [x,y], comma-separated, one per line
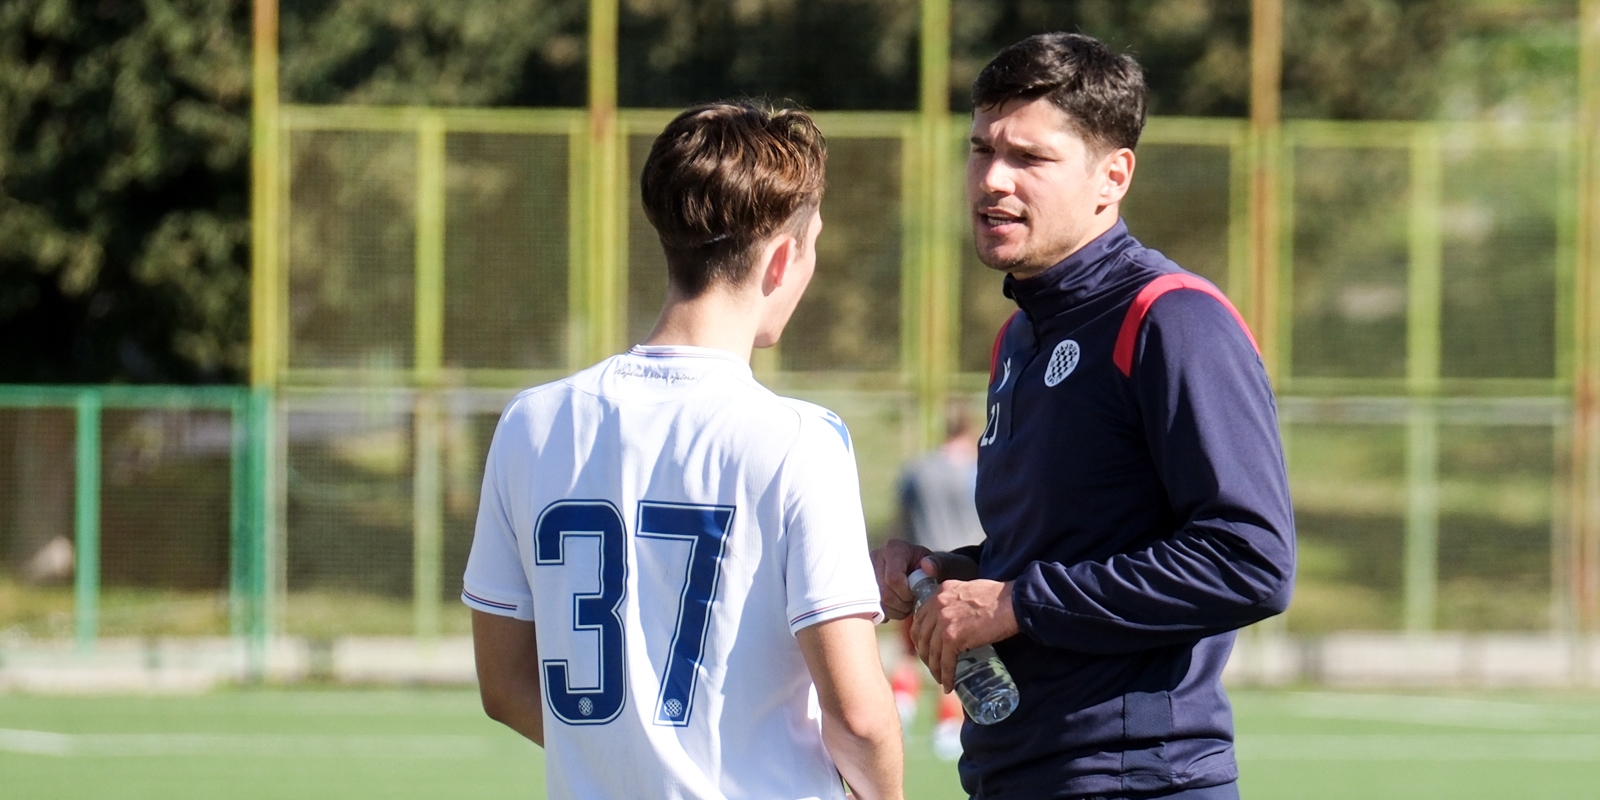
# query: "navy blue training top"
[1143,517]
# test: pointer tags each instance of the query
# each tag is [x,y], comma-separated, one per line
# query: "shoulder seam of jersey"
[1139,310]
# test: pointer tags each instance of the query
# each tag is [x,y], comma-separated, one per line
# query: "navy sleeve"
[1211,426]
[972,551]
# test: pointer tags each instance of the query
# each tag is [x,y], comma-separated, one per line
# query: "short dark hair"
[723,178]
[1102,92]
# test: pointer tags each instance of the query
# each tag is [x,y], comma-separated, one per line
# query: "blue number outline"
[706,528]
[599,611]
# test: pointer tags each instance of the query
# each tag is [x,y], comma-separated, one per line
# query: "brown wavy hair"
[724,178]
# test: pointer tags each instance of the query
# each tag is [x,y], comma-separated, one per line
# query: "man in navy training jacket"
[1130,475]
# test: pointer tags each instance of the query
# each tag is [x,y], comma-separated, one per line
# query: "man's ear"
[777,256]
[1116,175]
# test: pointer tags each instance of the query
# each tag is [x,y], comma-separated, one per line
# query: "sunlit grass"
[350,745]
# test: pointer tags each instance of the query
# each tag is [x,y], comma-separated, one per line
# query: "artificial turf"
[382,743]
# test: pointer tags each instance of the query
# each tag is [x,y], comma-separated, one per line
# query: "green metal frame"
[1260,270]
[1424,292]
[1423,383]
[250,584]
[249,553]
[1259,275]
[1584,505]
[1261,295]
[86,520]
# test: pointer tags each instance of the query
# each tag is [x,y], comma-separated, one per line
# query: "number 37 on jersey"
[669,527]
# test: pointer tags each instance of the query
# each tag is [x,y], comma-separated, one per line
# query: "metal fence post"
[933,295]
[1256,270]
[427,511]
[250,557]
[603,286]
[86,512]
[1424,285]
[266,318]
[1266,82]
[1585,469]
[427,524]
[241,524]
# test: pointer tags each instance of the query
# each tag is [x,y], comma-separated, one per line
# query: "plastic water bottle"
[983,683]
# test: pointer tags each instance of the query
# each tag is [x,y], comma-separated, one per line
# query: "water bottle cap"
[917,576]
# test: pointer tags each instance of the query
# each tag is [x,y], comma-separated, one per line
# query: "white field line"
[265,745]
[1419,747]
[1259,747]
[1447,711]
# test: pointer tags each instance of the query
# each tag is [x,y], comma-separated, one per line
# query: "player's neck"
[718,319]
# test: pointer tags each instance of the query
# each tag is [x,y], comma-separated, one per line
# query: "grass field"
[354,745]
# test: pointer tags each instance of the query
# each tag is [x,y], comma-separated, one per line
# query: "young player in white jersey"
[670,584]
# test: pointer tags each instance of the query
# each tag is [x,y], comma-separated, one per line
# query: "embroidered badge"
[1063,360]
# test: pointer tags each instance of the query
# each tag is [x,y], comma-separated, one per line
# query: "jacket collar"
[1075,279]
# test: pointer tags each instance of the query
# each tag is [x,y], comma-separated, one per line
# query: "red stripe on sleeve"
[1122,354]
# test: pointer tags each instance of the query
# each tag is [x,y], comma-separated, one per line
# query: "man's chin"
[1000,261]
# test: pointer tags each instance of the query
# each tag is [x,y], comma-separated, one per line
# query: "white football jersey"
[669,524]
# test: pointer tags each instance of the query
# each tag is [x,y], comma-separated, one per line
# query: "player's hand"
[892,563]
[963,615]
[949,567]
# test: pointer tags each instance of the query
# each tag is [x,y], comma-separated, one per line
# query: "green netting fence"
[1422,291]
[1424,381]
[134,511]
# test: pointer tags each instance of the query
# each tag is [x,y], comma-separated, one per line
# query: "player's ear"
[776,258]
[1116,175]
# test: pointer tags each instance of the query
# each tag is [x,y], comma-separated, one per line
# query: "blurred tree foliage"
[824,54]
[125,144]
[124,136]
[1378,59]
[434,52]
[1342,59]
[1196,53]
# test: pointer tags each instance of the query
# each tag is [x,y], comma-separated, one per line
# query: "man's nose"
[997,177]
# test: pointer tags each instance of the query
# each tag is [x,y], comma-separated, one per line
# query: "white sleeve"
[828,572]
[495,581]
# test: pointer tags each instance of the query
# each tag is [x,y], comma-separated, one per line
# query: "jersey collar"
[1077,278]
[686,351]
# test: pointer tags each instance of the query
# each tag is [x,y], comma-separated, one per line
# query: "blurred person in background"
[669,579]
[937,511]
[1130,475]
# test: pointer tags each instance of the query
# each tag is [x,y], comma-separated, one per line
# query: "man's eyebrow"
[1031,147]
